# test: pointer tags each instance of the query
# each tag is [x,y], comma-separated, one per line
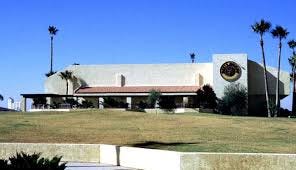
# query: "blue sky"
[130,31]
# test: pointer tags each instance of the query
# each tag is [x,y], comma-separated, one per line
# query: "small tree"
[210,98]
[234,100]
[154,97]
[206,97]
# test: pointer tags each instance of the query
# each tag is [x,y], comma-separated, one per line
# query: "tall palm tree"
[261,28]
[280,33]
[1,97]
[292,61]
[52,32]
[292,45]
[192,57]
[66,75]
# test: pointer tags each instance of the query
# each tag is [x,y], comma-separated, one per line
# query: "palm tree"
[192,57]
[52,32]
[280,33]
[292,61]
[261,28]
[1,97]
[66,75]
[292,45]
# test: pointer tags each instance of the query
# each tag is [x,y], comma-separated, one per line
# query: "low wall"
[154,159]
[50,110]
[139,157]
[177,110]
[70,152]
[242,161]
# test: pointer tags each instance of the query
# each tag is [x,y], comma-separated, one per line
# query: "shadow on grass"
[156,144]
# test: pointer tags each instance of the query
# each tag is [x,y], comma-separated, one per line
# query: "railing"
[46,106]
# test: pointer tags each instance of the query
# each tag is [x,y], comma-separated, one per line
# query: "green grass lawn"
[180,132]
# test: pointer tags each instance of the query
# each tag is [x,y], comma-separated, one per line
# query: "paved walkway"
[94,166]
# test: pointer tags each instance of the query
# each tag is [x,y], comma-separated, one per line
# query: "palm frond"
[52,30]
[292,60]
[279,32]
[50,73]
[292,44]
[192,55]
[66,75]
[261,27]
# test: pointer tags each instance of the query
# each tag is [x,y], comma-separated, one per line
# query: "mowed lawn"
[180,132]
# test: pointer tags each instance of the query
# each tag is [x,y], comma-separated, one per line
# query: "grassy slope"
[190,132]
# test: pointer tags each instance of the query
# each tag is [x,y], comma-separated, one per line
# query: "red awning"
[138,89]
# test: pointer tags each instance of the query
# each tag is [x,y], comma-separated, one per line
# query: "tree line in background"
[279,33]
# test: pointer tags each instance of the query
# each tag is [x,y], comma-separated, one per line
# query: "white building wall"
[256,80]
[219,82]
[134,75]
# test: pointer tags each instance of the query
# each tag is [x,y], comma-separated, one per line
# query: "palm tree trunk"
[293,91]
[277,97]
[51,53]
[265,79]
[67,87]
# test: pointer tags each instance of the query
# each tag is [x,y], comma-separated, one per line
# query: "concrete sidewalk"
[94,166]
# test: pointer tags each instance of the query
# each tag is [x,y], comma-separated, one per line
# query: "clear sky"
[130,31]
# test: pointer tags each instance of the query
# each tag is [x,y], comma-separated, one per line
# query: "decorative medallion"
[230,71]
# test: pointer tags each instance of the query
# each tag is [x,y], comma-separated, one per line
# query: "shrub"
[23,161]
[206,97]
[284,112]
[86,104]
[39,100]
[71,101]
[55,105]
[142,105]
[167,103]
[234,100]
[112,103]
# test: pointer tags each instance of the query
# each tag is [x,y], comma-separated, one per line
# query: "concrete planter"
[153,159]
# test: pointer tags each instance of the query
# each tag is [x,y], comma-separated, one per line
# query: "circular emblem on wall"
[230,71]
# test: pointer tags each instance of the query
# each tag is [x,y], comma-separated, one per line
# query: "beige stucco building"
[131,83]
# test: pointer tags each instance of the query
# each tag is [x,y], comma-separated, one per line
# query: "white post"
[10,103]
[185,101]
[101,101]
[129,102]
[24,104]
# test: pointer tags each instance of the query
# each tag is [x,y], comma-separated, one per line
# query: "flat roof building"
[131,83]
